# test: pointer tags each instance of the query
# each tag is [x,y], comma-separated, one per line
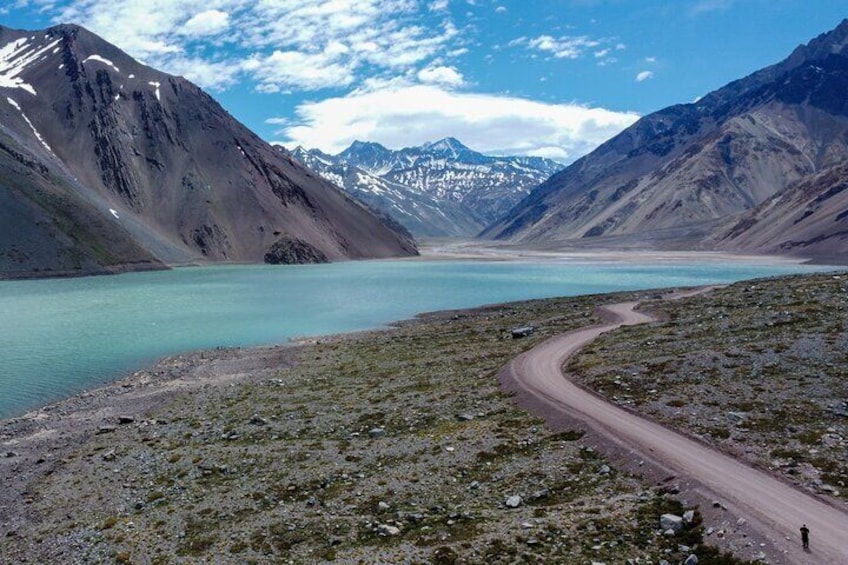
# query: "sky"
[553,78]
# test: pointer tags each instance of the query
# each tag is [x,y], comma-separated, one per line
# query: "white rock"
[514,501]
[671,522]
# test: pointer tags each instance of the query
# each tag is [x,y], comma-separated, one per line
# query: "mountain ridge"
[440,188]
[157,161]
[702,162]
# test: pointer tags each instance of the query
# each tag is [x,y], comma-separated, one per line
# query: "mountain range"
[109,165]
[437,189]
[758,165]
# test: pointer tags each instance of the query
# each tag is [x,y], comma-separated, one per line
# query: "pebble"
[388,530]
[513,501]
[377,433]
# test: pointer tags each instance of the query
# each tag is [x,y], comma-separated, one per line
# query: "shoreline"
[48,441]
[471,250]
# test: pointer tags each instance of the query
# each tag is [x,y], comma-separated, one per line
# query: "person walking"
[805,537]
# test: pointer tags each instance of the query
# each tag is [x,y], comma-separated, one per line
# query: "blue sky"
[542,77]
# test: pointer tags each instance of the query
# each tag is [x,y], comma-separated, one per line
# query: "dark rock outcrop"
[289,251]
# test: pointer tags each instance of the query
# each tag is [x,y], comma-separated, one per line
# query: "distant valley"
[438,189]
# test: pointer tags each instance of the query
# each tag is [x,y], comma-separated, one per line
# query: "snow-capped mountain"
[437,189]
[109,165]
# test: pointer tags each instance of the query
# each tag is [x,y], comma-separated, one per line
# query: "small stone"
[540,494]
[465,417]
[10,454]
[689,516]
[604,470]
[474,485]
[377,433]
[109,455]
[388,530]
[513,501]
[125,420]
[383,505]
[258,420]
[105,430]
[741,522]
[691,560]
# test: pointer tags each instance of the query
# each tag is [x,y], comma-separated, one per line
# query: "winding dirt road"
[771,507]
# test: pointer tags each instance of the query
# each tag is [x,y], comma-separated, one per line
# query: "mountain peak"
[446,144]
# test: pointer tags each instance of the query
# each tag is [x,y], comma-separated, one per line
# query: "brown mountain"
[810,218]
[106,164]
[679,176]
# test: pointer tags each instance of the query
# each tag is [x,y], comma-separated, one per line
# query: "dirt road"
[772,508]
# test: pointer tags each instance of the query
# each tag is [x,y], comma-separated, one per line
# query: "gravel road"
[770,506]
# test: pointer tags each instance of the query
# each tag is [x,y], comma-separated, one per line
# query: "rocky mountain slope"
[736,156]
[437,189]
[106,164]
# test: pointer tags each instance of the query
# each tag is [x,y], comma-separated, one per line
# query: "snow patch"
[103,60]
[157,85]
[29,123]
[114,213]
[132,76]
[14,59]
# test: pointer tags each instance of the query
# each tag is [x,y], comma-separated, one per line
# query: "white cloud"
[210,74]
[650,60]
[644,75]
[568,47]
[310,71]
[405,115]
[300,44]
[562,47]
[209,22]
[500,9]
[447,76]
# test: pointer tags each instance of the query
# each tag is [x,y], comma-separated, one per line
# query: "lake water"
[58,337]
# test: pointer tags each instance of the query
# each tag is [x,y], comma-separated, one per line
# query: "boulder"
[671,522]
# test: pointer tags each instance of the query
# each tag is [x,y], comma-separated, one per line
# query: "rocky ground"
[758,369]
[382,447]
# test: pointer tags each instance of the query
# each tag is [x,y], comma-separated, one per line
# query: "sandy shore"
[492,251]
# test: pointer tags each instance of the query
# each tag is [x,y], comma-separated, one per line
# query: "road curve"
[771,507]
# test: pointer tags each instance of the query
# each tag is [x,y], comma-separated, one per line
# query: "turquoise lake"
[59,337]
